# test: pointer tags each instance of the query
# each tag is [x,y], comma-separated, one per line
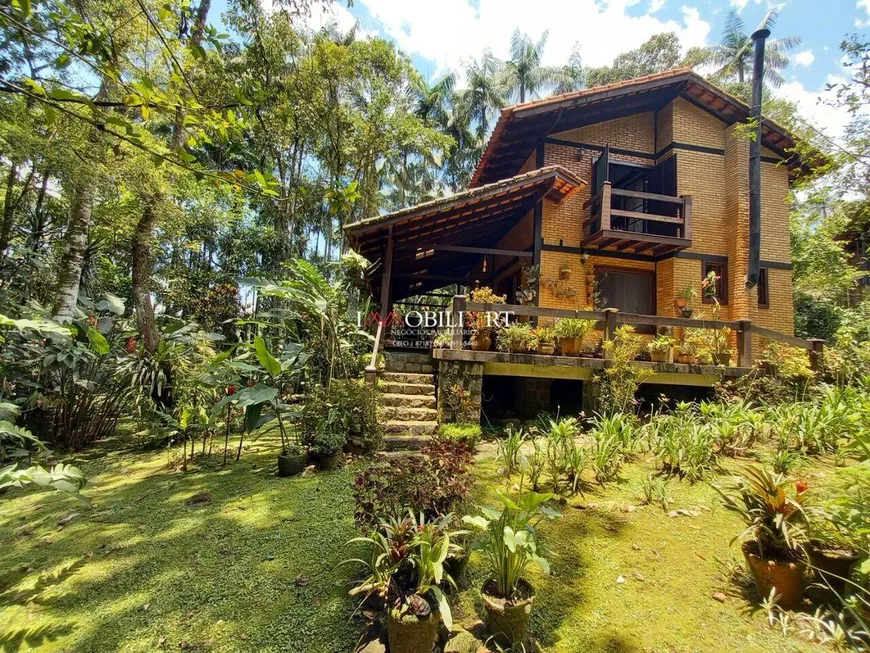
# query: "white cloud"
[804,58]
[739,4]
[655,5]
[865,6]
[450,32]
[813,106]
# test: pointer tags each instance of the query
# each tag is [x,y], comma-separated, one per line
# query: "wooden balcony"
[662,225]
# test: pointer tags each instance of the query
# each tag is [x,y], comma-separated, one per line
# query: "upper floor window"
[714,282]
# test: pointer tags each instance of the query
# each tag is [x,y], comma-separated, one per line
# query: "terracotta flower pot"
[681,303]
[833,567]
[481,341]
[408,633]
[546,350]
[722,359]
[292,464]
[786,576]
[508,621]
[570,346]
[686,359]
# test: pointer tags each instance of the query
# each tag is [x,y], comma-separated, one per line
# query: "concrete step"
[391,388]
[408,401]
[409,427]
[394,365]
[407,414]
[403,443]
[408,356]
[407,377]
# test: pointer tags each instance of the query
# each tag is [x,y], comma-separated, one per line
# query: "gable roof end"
[521,127]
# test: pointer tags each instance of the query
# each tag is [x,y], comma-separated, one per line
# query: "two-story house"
[637,189]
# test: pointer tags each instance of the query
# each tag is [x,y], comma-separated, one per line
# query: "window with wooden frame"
[719,289]
[763,289]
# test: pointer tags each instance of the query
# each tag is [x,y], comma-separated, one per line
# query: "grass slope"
[146,567]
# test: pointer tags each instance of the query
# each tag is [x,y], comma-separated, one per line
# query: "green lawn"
[255,568]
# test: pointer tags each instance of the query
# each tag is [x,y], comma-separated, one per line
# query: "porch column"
[387,277]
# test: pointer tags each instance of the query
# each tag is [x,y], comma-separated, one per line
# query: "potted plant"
[292,459]
[406,570]
[510,545]
[661,348]
[327,445]
[718,341]
[571,331]
[685,351]
[480,323]
[565,272]
[684,300]
[546,340]
[517,338]
[775,517]
[839,531]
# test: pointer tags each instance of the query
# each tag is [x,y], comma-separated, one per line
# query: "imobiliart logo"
[443,319]
[417,329]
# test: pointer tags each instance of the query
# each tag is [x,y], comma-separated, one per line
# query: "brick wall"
[719,185]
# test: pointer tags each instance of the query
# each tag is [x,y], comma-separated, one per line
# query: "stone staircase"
[406,402]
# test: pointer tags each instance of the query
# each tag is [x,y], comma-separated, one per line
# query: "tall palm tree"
[733,56]
[482,97]
[523,76]
[434,102]
[572,75]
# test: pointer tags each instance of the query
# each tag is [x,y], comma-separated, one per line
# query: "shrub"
[467,433]
[661,344]
[406,564]
[684,446]
[573,327]
[545,335]
[508,452]
[509,541]
[518,338]
[621,377]
[482,321]
[436,483]
[775,519]
[348,408]
[656,490]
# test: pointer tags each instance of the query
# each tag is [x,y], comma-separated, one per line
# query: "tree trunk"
[69,276]
[39,214]
[8,207]
[148,221]
[142,274]
[81,206]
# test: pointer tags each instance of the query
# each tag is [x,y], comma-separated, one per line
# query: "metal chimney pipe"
[758,38]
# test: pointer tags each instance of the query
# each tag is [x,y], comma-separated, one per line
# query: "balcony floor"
[634,242]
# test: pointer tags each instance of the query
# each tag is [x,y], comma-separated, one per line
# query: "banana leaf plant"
[262,398]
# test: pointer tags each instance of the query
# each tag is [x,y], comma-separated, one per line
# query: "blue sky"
[440,35]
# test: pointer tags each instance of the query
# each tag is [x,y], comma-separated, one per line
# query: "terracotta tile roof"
[683,80]
[569,183]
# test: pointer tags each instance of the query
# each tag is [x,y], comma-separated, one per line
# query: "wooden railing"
[371,371]
[603,211]
[609,319]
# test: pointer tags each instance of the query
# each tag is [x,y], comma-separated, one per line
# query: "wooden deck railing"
[609,319]
[603,211]
[371,371]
